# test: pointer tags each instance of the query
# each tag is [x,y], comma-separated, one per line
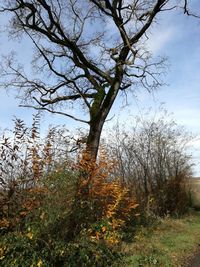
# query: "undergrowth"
[58,208]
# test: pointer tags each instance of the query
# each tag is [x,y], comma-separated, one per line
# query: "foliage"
[25,160]
[195,193]
[70,213]
[61,209]
[42,238]
[103,201]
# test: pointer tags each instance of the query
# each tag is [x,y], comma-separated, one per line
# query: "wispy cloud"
[159,39]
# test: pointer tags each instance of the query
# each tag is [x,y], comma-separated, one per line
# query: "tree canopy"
[86,52]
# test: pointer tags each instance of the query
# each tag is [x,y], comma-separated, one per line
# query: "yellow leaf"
[97,234]
[29,235]
[39,264]
[23,213]
[137,214]
[61,252]
[103,229]
[42,216]
[4,223]
[134,206]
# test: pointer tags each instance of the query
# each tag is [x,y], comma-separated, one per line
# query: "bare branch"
[55,112]
[87,52]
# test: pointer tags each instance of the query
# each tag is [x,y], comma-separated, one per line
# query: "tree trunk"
[93,138]
[99,113]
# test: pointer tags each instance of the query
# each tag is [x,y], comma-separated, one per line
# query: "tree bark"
[99,113]
[93,138]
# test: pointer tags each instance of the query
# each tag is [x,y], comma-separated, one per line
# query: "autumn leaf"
[30,235]
[39,264]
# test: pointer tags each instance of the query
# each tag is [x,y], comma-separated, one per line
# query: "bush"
[152,160]
[68,219]
[27,249]
[62,210]
[173,198]
[103,203]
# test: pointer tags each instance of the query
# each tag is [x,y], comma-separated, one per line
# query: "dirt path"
[195,260]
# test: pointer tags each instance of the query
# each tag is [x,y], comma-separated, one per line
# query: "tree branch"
[55,112]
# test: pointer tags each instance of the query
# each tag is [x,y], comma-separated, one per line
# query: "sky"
[175,36]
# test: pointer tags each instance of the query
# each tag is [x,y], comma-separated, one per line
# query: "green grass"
[168,244]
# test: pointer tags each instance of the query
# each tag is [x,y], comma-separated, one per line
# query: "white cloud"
[159,38]
[188,117]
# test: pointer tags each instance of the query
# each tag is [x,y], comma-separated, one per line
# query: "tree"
[87,62]
[153,159]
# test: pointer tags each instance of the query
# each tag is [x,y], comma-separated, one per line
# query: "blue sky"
[175,36]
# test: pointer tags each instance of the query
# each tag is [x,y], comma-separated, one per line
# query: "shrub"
[67,219]
[152,160]
[61,210]
[103,203]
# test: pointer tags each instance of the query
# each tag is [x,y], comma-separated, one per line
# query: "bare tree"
[87,51]
[153,159]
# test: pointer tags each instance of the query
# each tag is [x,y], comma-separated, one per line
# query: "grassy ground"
[169,244]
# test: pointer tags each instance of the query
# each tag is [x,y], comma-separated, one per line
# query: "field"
[169,244]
